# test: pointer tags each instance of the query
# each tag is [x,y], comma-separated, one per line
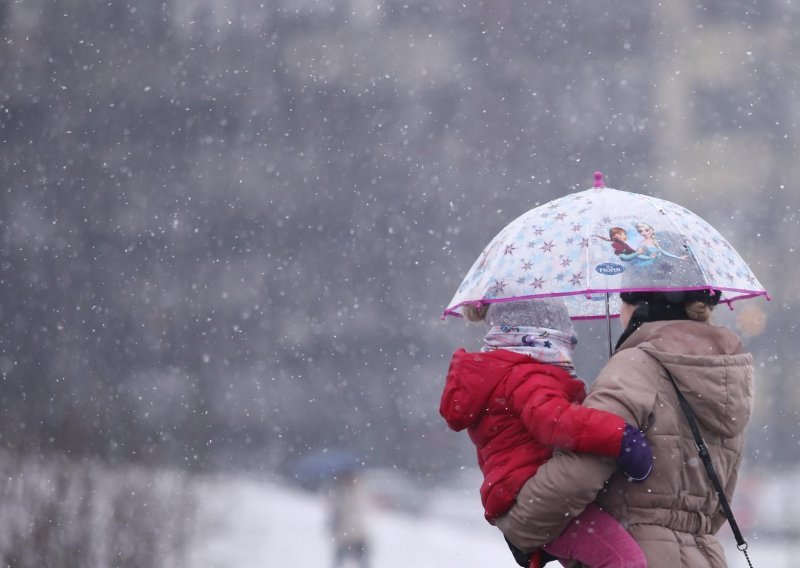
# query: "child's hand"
[635,456]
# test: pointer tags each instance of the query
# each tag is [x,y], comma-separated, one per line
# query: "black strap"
[702,450]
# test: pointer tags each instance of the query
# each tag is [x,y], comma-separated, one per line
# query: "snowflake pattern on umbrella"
[602,240]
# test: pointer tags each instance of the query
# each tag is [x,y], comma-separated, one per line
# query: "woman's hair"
[698,311]
[475,313]
[695,305]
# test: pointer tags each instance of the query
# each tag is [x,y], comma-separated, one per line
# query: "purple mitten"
[635,456]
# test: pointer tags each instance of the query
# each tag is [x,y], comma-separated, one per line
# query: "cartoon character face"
[645,230]
[618,234]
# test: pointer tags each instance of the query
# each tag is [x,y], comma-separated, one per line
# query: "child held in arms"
[519,398]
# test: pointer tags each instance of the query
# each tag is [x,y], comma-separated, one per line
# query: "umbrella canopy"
[591,245]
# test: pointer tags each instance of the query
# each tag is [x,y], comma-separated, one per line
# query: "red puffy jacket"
[516,411]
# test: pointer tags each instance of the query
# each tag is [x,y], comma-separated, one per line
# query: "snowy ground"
[245,523]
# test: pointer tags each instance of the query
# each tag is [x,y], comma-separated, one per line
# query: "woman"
[675,514]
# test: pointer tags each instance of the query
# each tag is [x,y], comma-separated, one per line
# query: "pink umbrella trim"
[746,294]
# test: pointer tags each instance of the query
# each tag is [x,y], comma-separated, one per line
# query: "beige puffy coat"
[675,513]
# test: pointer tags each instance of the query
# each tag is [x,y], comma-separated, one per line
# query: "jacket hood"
[709,366]
[471,380]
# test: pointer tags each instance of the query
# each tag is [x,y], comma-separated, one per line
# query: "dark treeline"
[228,232]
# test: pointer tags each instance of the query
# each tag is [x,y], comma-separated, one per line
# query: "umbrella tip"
[598,179]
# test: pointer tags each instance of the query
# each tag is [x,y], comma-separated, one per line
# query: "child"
[519,398]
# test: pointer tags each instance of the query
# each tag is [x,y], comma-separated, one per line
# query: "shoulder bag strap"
[702,450]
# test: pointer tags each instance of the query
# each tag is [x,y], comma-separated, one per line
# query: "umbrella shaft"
[608,325]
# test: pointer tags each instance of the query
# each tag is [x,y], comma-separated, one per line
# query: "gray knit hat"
[550,313]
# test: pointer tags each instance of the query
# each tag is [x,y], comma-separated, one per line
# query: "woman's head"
[695,305]
[641,307]
[548,313]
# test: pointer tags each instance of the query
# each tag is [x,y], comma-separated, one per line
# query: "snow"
[245,522]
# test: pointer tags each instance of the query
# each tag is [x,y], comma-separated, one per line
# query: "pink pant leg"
[597,540]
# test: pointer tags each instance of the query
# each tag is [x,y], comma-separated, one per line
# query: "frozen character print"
[649,249]
[618,238]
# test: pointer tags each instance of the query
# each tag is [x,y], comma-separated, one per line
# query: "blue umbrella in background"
[316,468]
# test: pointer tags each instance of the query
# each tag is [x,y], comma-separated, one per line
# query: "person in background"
[519,398]
[675,514]
[347,522]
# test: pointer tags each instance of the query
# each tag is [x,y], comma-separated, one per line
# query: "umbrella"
[590,245]
[314,469]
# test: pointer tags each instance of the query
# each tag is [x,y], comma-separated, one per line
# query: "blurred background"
[229,229]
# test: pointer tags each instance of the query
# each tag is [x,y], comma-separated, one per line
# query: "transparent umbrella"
[588,246]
